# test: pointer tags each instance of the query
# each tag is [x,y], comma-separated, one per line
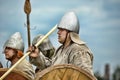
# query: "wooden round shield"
[14,75]
[64,72]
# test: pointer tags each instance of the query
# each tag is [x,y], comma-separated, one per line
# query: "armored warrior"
[46,48]
[72,51]
[13,50]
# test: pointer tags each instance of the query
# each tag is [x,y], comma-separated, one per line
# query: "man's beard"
[12,57]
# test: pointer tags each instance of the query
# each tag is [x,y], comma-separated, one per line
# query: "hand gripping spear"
[27,10]
[22,58]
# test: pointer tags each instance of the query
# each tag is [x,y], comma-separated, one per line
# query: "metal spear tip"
[27,7]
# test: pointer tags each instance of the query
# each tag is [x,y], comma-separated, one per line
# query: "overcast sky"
[99,25]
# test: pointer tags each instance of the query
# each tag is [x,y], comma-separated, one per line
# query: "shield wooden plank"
[64,72]
[14,75]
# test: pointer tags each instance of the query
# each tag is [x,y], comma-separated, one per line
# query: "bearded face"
[9,53]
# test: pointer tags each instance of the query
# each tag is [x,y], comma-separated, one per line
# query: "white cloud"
[105,23]
[95,12]
[3,33]
[114,1]
[46,12]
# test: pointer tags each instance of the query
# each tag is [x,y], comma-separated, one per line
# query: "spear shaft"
[28,30]
[27,10]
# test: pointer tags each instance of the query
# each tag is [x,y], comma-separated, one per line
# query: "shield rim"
[15,71]
[47,70]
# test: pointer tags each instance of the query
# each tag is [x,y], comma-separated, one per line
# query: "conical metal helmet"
[70,22]
[15,42]
[45,45]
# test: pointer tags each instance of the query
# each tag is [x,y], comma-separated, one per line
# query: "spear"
[27,10]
